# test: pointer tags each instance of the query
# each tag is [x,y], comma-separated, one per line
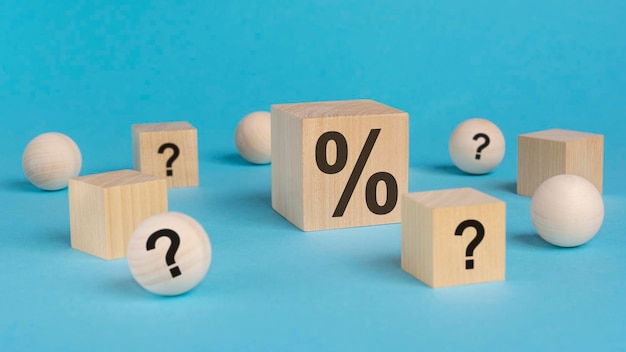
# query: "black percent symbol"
[340,163]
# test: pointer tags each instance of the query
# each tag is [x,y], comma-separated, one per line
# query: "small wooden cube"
[339,164]
[453,237]
[105,209]
[541,155]
[168,150]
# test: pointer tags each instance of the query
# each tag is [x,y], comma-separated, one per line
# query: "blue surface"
[91,69]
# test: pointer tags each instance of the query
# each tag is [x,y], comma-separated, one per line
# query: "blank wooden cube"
[541,155]
[168,150]
[338,164]
[106,208]
[441,243]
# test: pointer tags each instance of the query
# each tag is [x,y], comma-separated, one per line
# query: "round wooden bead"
[50,160]
[253,137]
[169,253]
[567,210]
[476,146]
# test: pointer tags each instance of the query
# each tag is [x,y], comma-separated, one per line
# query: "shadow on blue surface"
[530,240]
[125,288]
[507,186]
[48,241]
[56,239]
[19,186]
[254,207]
[228,159]
[388,267]
[447,169]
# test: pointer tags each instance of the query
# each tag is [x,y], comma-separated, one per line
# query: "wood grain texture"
[148,138]
[567,210]
[434,254]
[253,137]
[192,258]
[308,197]
[466,141]
[544,154]
[50,160]
[105,209]
[287,170]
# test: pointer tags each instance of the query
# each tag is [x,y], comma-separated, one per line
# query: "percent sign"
[340,163]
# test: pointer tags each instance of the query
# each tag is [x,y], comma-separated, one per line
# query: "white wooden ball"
[567,210]
[472,155]
[253,137]
[192,257]
[50,160]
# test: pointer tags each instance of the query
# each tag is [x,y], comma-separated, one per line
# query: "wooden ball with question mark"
[169,253]
[476,146]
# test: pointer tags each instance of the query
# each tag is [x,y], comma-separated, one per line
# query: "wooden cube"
[541,155]
[168,150]
[339,164]
[106,208]
[453,237]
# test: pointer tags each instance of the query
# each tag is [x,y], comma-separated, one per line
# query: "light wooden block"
[154,146]
[105,209]
[307,135]
[541,155]
[434,253]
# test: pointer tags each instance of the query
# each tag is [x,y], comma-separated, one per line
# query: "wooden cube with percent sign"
[338,164]
[543,154]
[105,209]
[169,150]
[453,237]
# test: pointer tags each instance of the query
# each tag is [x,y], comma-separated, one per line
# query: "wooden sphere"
[162,266]
[50,160]
[567,210]
[253,137]
[476,146]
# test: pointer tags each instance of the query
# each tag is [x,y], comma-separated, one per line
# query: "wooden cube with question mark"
[543,154]
[169,150]
[453,237]
[105,209]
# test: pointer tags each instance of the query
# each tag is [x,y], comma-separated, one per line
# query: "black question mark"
[482,146]
[170,161]
[171,252]
[480,234]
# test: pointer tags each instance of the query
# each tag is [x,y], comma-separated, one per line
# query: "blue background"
[91,69]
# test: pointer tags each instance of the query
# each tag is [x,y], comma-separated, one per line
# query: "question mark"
[171,252]
[480,234]
[482,146]
[170,161]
